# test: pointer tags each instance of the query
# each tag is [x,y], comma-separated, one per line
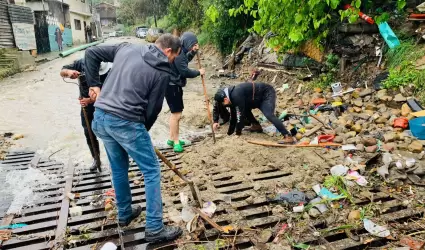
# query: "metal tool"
[207,100]
[82,84]
[193,188]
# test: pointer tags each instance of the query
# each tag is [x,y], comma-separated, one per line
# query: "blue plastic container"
[417,127]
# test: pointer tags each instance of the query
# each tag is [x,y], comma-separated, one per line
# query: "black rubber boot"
[136,211]
[96,166]
[168,233]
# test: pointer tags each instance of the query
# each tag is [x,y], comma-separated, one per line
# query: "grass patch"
[403,70]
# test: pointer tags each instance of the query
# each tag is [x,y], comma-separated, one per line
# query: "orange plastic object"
[318,101]
[401,123]
[326,138]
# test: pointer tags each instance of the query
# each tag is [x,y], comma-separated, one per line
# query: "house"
[71,17]
[107,13]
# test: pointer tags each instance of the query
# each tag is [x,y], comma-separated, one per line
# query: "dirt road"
[45,109]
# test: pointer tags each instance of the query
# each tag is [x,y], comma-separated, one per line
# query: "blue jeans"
[121,139]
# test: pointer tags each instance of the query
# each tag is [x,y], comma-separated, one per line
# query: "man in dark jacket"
[73,71]
[126,108]
[174,94]
[241,99]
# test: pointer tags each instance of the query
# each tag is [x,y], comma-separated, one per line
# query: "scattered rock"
[354,216]
[382,92]
[358,103]
[381,120]
[357,128]
[370,106]
[136,182]
[314,212]
[360,147]
[366,92]
[351,140]
[390,137]
[357,109]
[371,149]
[396,112]
[369,141]
[405,110]
[399,98]
[338,139]
[389,147]
[350,134]
[386,98]
[416,147]
[265,236]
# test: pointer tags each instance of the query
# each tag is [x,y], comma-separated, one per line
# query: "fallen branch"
[273,144]
[209,220]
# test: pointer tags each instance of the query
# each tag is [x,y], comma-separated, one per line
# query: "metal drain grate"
[46,221]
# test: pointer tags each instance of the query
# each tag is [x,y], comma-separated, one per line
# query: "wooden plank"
[63,216]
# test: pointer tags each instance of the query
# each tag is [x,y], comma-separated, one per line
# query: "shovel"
[193,188]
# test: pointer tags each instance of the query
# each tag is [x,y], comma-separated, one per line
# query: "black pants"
[90,115]
[268,107]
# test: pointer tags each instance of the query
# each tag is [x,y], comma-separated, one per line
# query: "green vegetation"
[225,23]
[338,183]
[403,69]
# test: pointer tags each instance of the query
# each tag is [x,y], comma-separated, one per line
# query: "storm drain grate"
[92,229]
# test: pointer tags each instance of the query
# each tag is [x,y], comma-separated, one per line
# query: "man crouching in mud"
[74,71]
[126,108]
[241,99]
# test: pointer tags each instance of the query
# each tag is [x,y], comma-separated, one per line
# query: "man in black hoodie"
[126,108]
[241,99]
[174,94]
[74,71]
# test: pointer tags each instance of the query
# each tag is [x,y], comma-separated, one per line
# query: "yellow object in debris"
[336,104]
[302,130]
[61,27]
[419,113]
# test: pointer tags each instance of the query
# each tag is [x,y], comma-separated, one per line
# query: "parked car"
[112,34]
[141,32]
[120,33]
[153,34]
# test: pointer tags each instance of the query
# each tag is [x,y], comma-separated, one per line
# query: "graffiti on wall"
[59,36]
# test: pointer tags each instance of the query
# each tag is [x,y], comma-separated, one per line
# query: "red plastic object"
[401,123]
[110,192]
[417,16]
[413,244]
[326,138]
[318,101]
[361,15]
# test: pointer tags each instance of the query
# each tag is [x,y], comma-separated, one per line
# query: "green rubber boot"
[178,148]
[171,143]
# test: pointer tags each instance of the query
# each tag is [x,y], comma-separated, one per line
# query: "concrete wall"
[78,6]
[78,36]
[37,6]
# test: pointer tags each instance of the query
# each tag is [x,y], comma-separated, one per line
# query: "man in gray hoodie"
[126,108]
[174,94]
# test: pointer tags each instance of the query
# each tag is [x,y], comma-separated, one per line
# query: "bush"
[222,29]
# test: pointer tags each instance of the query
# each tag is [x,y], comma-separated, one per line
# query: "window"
[77,24]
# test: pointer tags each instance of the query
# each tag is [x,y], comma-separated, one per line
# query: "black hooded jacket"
[180,67]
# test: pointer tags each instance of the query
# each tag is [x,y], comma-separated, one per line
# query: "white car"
[112,34]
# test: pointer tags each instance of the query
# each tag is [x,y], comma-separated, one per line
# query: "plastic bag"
[388,35]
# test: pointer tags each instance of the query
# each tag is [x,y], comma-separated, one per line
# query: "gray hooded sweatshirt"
[135,87]
[180,66]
